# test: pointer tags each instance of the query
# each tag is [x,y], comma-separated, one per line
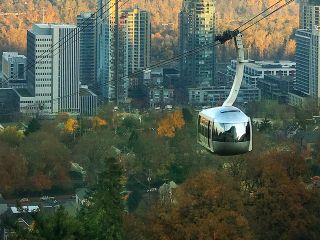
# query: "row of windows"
[43,67]
[43,85]
[43,94]
[49,73]
[43,79]
[43,45]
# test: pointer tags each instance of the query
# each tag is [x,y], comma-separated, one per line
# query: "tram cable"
[199,49]
[65,39]
[193,51]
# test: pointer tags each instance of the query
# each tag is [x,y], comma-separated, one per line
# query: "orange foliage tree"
[168,126]
[71,126]
[98,122]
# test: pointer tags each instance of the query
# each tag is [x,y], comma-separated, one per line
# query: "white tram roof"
[225,115]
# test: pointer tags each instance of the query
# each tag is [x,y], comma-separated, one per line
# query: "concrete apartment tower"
[54,77]
[86,22]
[197,28]
[136,28]
[309,14]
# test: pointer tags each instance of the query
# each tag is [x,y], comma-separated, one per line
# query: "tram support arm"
[239,72]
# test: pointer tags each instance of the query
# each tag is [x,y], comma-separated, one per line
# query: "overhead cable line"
[196,50]
[255,17]
[62,41]
[214,44]
[269,14]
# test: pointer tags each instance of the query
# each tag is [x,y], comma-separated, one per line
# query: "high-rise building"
[302,58]
[107,49]
[13,70]
[136,30]
[197,28]
[54,77]
[309,14]
[308,62]
[87,23]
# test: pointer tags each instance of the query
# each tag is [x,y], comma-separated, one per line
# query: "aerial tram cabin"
[226,130]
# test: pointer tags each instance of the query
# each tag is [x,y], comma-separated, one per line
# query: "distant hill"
[271,39]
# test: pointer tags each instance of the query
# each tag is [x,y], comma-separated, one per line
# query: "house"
[81,196]
[22,216]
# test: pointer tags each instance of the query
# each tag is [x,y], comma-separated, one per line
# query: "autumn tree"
[13,170]
[71,125]
[48,162]
[169,125]
[98,122]
[207,206]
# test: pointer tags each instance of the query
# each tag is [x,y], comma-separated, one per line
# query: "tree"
[49,226]
[187,115]
[92,150]
[98,122]
[12,136]
[265,125]
[48,162]
[13,170]
[102,217]
[71,126]
[207,206]
[169,125]
[33,126]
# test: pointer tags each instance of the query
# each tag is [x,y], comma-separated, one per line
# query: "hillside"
[268,39]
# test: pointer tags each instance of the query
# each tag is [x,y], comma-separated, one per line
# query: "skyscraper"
[307,51]
[107,48]
[86,22]
[136,30]
[197,28]
[302,58]
[54,77]
[309,14]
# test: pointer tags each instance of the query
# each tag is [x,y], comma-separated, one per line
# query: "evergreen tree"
[102,217]
[33,126]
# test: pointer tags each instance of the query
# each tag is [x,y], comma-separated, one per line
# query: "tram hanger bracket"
[226,36]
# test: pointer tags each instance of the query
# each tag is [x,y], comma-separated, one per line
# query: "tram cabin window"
[231,132]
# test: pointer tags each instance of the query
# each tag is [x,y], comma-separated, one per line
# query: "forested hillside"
[268,39]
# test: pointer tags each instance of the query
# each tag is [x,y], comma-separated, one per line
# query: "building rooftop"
[271,64]
[46,28]
[84,91]
[28,209]
[23,92]
[8,55]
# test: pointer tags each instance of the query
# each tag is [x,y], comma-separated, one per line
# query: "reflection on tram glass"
[231,132]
